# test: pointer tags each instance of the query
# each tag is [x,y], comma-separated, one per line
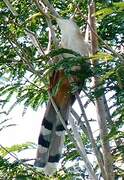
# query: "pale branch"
[39,5]
[52,35]
[108,116]
[11,8]
[118,142]
[35,41]
[43,9]
[87,95]
[37,44]
[100,106]
[51,8]
[78,119]
[49,40]
[107,158]
[86,32]
[90,135]
[78,139]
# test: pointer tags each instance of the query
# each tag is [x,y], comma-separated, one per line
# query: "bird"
[52,132]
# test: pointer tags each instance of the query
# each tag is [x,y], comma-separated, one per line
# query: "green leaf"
[15,148]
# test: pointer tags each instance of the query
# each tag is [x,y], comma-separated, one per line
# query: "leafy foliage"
[15,148]
[18,171]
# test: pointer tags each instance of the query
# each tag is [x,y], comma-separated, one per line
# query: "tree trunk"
[100,106]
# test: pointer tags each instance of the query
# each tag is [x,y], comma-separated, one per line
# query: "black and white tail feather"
[51,138]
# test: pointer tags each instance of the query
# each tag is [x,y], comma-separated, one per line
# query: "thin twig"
[80,123]
[11,154]
[88,96]
[40,88]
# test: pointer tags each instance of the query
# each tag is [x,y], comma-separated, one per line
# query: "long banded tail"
[51,138]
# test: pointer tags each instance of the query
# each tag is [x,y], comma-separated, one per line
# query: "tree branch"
[9,5]
[80,144]
[35,41]
[51,8]
[90,135]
